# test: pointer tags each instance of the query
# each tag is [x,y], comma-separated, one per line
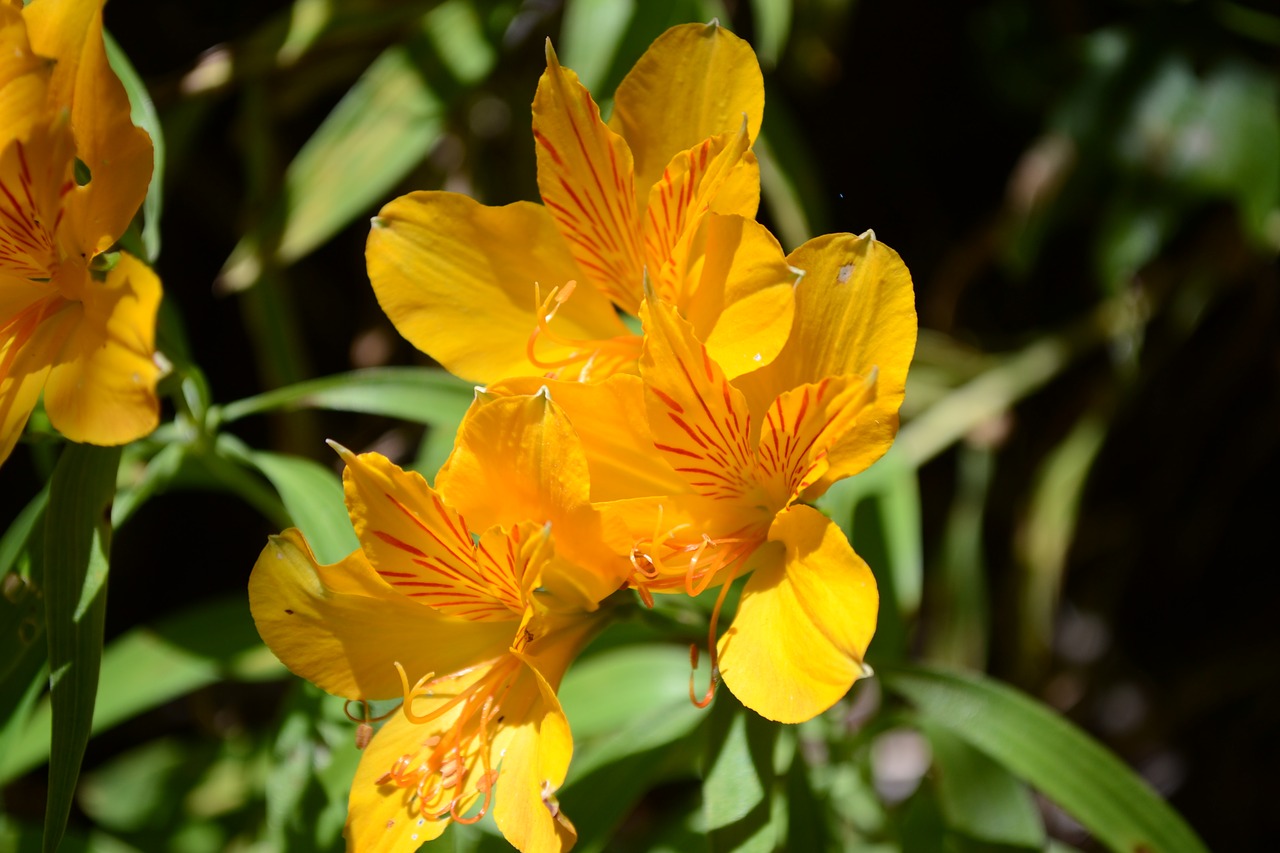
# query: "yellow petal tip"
[869,234]
[346,455]
[552,60]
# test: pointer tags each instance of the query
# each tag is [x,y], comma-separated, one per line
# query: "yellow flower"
[74,322]
[483,624]
[668,189]
[737,460]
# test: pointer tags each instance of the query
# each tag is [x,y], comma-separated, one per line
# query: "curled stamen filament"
[623,347]
[712,651]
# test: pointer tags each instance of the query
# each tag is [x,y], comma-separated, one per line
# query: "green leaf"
[772,25]
[632,719]
[418,394]
[737,787]
[380,130]
[312,496]
[14,541]
[979,797]
[590,37]
[77,545]
[143,113]
[152,665]
[1048,753]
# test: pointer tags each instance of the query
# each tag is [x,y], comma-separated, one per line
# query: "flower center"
[442,773]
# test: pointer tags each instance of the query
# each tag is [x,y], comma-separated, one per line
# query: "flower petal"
[744,299]
[609,418]
[103,389]
[342,628]
[700,422]
[118,155]
[797,642]
[690,186]
[422,546]
[584,175]
[34,331]
[23,77]
[534,764]
[458,281]
[694,81]
[519,459]
[855,314]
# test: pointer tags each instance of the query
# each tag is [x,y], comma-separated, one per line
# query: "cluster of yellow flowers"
[669,456]
[77,320]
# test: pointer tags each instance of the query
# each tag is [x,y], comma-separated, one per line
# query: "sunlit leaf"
[1050,754]
[737,788]
[77,549]
[143,113]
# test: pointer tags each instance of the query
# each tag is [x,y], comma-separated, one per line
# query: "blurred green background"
[1080,503]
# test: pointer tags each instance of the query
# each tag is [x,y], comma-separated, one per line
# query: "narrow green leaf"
[590,36]
[154,664]
[312,495]
[14,541]
[418,394]
[737,787]
[377,133]
[979,797]
[143,113]
[1050,754]
[76,551]
[773,25]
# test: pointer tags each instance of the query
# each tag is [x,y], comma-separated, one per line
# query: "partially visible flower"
[714,485]
[469,601]
[668,189]
[76,321]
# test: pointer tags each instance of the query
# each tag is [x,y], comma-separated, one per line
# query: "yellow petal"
[609,418]
[23,77]
[744,299]
[797,642]
[519,459]
[584,175]
[700,422]
[423,547]
[458,280]
[694,81]
[103,389]
[855,314]
[802,426]
[118,154]
[35,329]
[534,765]
[343,629]
[34,170]
[689,187]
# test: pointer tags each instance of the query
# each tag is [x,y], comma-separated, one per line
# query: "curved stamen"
[712,651]
[622,348]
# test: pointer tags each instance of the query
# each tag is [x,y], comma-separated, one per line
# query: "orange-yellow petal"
[519,459]
[584,175]
[806,617]
[23,77]
[422,546]
[34,331]
[739,292]
[103,388]
[458,281]
[855,314]
[695,81]
[700,423]
[342,628]
[118,155]
[536,754]
[609,418]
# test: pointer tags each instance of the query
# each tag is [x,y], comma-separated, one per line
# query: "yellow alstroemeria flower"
[75,323]
[483,624]
[668,189]
[735,462]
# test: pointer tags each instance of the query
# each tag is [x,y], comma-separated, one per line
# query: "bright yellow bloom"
[738,460]
[473,630]
[668,189]
[75,323]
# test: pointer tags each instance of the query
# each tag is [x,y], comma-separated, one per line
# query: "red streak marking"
[542,140]
[396,543]
[684,426]
[396,574]
[669,449]
[669,401]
